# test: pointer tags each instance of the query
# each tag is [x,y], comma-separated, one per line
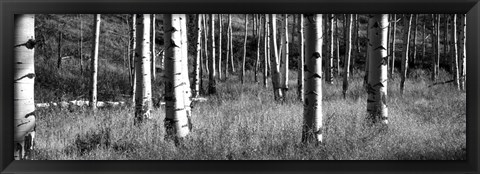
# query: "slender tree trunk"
[438,44]
[59,62]
[257,40]
[143,98]
[228,46]
[206,38]
[242,77]
[462,50]
[394,28]
[265,51]
[312,124]
[414,61]
[457,47]
[185,71]
[24,79]
[434,45]
[212,83]
[275,66]
[94,62]
[377,77]
[406,38]
[220,46]
[81,45]
[231,42]
[337,43]
[268,52]
[133,46]
[285,57]
[445,39]
[197,77]
[176,120]
[369,52]
[424,37]
[301,93]
[330,54]
[354,40]
[152,43]
[348,51]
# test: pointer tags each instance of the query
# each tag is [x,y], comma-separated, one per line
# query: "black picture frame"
[10,7]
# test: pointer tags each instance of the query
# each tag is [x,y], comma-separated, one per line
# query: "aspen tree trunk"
[133,46]
[348,51]
[445,35]
[265,51]
[94,62]
[330,54]
[220,46]
[275,65]
[369,52]
[268,52]
[24,79]
[285,57]
[152,44]
[257,40]
[301,93]
[424,37]
[337,43]
[143,98]
[394,28]
[228,45]
[231,42]
[438,45]
[455,54]
[406,38]
[212,82]
[354,45]
[185,72]
[176,119]
[312,115]
[206,38]
[377,77]
[389,39]
[463,51]
[415,42]
[434,45]
[242,77]
[197,77]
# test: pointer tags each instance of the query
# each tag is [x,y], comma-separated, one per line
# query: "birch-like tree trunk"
[301,59]
[133,47]
[457,47]
[197,77]
[392,51]
[268,52]
[143,98]
[414,58]
[257,40]
[185,71]
[94,62]
[330,54]
[285,57]
[275,65]
[220,46]
[434,45]
[81,44]
[463,51]
[229,24]
[377,77]
[231,42]
[348,52]
[438,45]
[312,114]
[205,41]
[337,43]
[24,79]
[265,51]
[242,76]
[424,36]
[212,82]
[152,44]
[176,120]
[406,38]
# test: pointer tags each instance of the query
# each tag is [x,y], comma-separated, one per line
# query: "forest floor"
[243,122]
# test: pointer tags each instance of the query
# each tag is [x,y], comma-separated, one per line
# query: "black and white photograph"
[240,86]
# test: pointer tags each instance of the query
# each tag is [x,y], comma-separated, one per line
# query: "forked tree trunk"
[275,65]
[377,77]
[176,121]
[143,98]
[212,82]
[406,38]
[242,76]
[24,79]
[301,60]
[94,62]
[457,47]
[312,114]
[348,52]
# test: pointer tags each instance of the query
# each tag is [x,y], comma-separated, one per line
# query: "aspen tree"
[242,77]
[81,44]
[94,62]
[424,37]
[275,65]
[24,79]
[197,77]
[434,45]
[392,50]
[456,81]
[257,40]
[406,38]
[463,51]
[285,57]
[220,46]
[176,119]
[268,52]
[337,43]
[330,54]
[445,36]
[301,58]
[265,50]
[348,52]
[312,115]
[228,45]
[212,82]
[414,58]
[377,76]
[143,97]
[133,46]
[185,73]
[206,39]
[231,42]
[438,45]
[152,44]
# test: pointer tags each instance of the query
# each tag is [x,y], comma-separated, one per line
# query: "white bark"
[176,120]
[275,65]
[152,49]
[346,66]
[143,97]
[24,78]
[220,46]
[312,128]
[301,59]
[242,76]
[377,77]
[212,83]
[330,51]
[457,47]
[285,57]
[406,38]
[133,47]
[196,80]
[94,62]
[463,60]
[187,91]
